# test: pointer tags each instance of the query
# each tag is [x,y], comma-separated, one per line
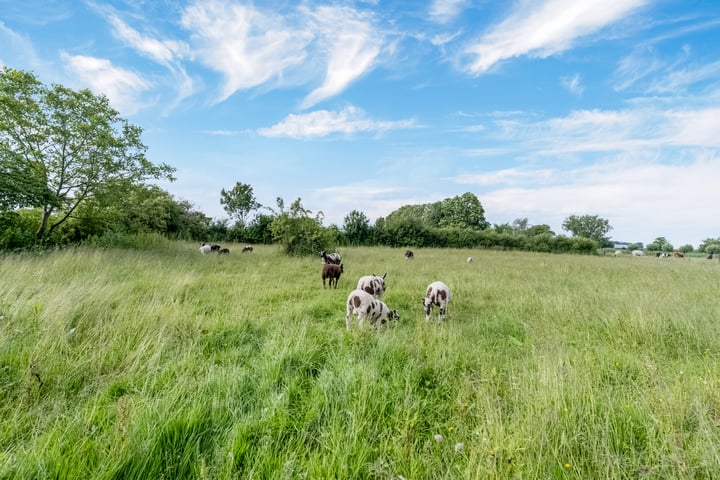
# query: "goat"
[223,251]
[409,254]
[247,248]
[637,253]
[215,247]
[372,284]
[331,272]
[437,294]
[468,260]
[333,258]
[363,305]
[677,254]
[205,248]
[710,257]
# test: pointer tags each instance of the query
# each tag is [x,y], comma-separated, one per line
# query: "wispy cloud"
[248,46]
[444,11]
[322,123]
[123,88]
[18,45]
[353,45]
[544,28]
[573,84]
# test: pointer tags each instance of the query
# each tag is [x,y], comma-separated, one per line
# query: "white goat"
[205,248]
[437,294]
[372,284]
[364,305]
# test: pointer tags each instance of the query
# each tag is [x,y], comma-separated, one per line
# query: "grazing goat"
[409,254]
[331,272]
[710,257]
[333,258]
[363,305]
[637,253]
[247,248]
[677,254]
[468,260]
[215,247]
[205,248]
[618,253]
[223,251]
[372,284]
[437,294]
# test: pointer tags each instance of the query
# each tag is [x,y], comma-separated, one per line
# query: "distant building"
[625,244]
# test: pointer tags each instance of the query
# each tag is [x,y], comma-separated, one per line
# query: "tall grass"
[163,363]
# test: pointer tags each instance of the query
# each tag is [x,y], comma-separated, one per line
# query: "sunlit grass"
[166,363]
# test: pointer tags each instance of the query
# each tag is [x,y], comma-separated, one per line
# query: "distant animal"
[677,254]
[468,260]
[618,253]
[372,284]
[247,248]
[437,294]
[205,248]
[215,247]
[331,257]
[637,253]
[365,306]
[658,254]
[331,272]
[710,257]
[223,251]
[409,254]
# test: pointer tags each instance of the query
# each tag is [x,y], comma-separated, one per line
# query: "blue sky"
[542,108]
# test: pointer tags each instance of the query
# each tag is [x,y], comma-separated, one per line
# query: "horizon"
[609,109]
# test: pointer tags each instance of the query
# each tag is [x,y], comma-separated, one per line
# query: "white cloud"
[671,200]
[352,46]
[444,11]
[544,28]
[161,51]
[324,122]
[573,84]
[122,87]
[15,49]
[248,46]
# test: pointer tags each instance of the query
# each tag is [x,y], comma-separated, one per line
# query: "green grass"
[164,363]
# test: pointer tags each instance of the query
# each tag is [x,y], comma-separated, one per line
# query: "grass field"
[164,363]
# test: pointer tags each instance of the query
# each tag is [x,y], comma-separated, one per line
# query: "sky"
[542,108]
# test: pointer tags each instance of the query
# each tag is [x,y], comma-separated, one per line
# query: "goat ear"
[384,275]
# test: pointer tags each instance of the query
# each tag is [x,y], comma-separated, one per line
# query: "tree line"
[72,170]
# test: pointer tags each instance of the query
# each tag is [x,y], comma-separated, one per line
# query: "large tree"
[239,202]
[357,228]
[69,146]
[587,226]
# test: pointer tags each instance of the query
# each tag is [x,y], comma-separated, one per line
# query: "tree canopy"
[239,202]
[60,147]
[587,226]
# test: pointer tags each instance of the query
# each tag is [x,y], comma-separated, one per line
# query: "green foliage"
[660,244]
[710,245]
[588,226]
[260,229]
[298,232]
[357,228]
[462,211]
[70,145]
[686,248]
[239,202]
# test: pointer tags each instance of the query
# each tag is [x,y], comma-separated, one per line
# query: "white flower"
[438,437]
[459,446]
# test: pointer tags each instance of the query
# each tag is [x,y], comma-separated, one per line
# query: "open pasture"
[165,363]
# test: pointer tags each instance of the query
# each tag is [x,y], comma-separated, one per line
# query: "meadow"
[164,363]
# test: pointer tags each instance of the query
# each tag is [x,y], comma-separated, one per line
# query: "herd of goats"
[365,301]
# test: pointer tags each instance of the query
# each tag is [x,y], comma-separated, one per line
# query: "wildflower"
[450,429]
[438,437]
[565,410]
[459,446]
[567,465]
